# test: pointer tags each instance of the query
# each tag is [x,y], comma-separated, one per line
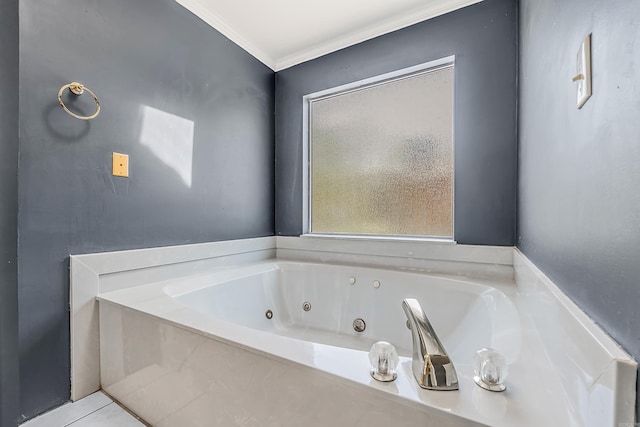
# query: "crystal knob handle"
[384,360]
[490,369]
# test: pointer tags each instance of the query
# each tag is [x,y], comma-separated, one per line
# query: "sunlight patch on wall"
[170,138]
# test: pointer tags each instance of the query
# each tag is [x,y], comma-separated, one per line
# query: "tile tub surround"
[93,274]
[593,379]
[432,257]
[598,376]
[97,273]
[170,377]
[157,355]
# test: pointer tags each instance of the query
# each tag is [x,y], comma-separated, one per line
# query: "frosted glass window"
[381,158]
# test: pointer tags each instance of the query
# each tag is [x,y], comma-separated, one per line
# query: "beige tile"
[70,412]
[110,416]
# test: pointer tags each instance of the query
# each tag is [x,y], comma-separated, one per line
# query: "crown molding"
[429,11]
[207,15]
[370,32]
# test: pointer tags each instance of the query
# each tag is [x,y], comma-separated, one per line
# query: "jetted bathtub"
[273,344]
[319,303]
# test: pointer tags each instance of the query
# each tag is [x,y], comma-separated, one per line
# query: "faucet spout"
[431,365]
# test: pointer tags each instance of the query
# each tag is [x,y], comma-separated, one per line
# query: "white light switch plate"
[583,71]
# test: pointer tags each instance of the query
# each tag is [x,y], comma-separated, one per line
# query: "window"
[381,155]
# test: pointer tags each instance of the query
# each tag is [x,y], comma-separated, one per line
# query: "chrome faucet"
[431,365]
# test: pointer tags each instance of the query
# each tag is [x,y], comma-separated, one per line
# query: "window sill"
[375,238]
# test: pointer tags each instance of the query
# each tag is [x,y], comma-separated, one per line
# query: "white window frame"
[306,138]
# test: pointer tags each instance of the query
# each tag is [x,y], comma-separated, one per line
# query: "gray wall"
[484,39]
[579,197]
[131,54]
[8,212]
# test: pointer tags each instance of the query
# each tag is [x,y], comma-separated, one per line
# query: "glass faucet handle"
[489,369]
[384,360]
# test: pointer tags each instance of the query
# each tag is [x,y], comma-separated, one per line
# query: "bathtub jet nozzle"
[359,325]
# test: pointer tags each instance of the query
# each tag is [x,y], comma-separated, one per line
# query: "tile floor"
[96,410]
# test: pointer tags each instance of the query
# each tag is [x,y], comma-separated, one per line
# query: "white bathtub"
[466,315]
[200,351]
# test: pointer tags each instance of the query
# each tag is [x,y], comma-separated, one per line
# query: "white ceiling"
[283,33]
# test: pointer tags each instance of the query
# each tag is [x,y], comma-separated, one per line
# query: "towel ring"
[78,89]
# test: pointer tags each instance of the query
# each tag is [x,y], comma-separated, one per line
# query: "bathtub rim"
[462,403]
[87,272]
[291,351]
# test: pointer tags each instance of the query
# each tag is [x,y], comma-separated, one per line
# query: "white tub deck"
[228,307]
[174,365]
